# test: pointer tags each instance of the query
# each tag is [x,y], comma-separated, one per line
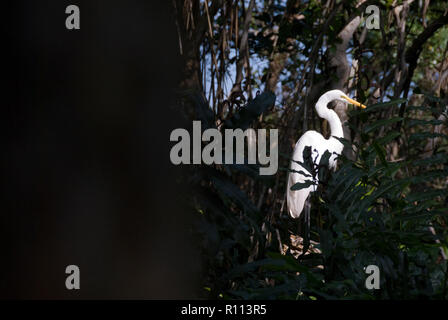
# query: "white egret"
[296,198]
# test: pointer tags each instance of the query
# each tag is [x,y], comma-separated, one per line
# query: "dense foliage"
[387,202]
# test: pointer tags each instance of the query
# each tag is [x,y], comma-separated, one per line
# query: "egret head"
[338,95]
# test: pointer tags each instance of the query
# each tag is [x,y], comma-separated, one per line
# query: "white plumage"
[296,198]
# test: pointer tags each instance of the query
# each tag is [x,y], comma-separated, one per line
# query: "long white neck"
[331,116]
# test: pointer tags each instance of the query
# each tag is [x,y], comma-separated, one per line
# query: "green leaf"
[302,185]
[420,196]
[250,112]
[381,123]
[417,216]
[380,152]
[435,159]
[388,138]
[415,122]
[232,192]
[426,135]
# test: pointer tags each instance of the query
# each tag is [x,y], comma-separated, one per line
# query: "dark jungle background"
[87,170]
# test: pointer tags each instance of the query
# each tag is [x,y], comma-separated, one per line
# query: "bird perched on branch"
[298,173]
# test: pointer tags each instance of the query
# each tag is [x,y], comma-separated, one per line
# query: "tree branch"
[413,53]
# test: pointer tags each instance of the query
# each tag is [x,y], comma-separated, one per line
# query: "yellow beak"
[356,103]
